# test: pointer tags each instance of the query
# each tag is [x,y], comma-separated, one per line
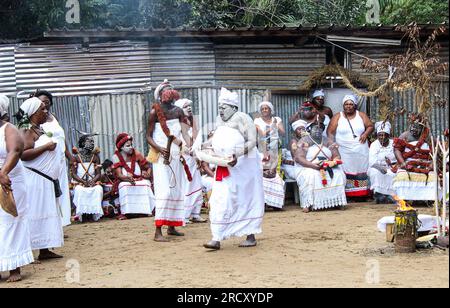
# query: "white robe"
[193,201]
[381,183]
[169,180]
[45,213]
[138,198]
[15,237]
[355,156]
[237,202]
[58,134]
[313,194]
[88,200]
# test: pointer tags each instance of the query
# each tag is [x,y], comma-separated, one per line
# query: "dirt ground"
[323,249]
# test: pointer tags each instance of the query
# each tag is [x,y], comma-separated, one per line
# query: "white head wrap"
[229,98]
[318,93]
[31,106]
[383,127]
[4,105]
[350,97]
[268,104]
[181,102]
[165,84]
[299,123]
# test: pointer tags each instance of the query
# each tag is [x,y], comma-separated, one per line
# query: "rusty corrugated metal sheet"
[70,69]
[7,70]
[186,65]
[115,114]
[277,66]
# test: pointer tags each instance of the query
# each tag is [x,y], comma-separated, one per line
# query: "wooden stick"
[434,155]
[445,153]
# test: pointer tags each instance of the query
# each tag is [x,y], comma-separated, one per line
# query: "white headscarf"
[31,106]
[350,97]
[383,127]
[299,123]
[318,93]
[4,105]
[268,104]
[229,98]
[181,102]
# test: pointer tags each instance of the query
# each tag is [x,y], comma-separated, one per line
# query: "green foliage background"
[20,19]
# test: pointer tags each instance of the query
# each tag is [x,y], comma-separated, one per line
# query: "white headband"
[229,98]
[181,102]
[268,104]
[299,123]
[350,97]
[383,127]
[318,93]
[31,106]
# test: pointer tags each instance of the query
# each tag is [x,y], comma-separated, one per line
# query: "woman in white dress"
[42,172]
[270,129]
[381,158]
[351,129]
[15,241]
[52,127]
[321,180]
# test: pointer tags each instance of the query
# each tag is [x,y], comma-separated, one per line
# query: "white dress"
[138,198]
[313,194]
[415,186]
[169,181]
[237,202]
[194,190]
[274,189]
[15,237]
[381,183]
[355,156]
[45,212]
[58,134]
[88,200]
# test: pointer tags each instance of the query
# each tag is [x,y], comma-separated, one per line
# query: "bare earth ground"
[323,249]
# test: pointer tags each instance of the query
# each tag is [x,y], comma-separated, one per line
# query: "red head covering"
[122,139]
[307,104]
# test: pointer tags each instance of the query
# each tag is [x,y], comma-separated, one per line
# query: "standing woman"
[43,168]
[15,242]
[52,127]
[270,129]
[351,129]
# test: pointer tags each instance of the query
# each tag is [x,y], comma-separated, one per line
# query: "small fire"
[403,205]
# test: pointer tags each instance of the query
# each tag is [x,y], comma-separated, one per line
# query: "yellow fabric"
[414,177]
[153,156]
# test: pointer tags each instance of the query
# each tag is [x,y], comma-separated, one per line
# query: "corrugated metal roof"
[273,66]
[70,69]
[7,70]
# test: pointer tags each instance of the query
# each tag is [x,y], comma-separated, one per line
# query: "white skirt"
[415,187]
[88,200]
[315,196]
[136,199]
[194,191]
[381,183]
[15,238]
[274,191]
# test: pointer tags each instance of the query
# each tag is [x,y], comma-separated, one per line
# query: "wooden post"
[434,155]
[445,153]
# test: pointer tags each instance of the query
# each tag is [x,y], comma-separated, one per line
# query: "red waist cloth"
[221,173]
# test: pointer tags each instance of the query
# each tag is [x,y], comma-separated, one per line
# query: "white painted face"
[226,112]
[128,147]
[187,108]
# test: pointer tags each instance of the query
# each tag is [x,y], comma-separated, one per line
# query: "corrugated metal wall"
[70,69]
[7,70]
[266,66]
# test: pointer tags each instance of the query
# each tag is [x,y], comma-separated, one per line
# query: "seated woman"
[134,173]
[321,180]
[415,179]
[110,203]
[381,159]
[88,195]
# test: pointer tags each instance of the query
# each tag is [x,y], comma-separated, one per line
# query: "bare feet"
[249,242]
[213,245]
[173,232]
[306,210]
[46,254]
[199,220]
[14,276]
[160,239]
